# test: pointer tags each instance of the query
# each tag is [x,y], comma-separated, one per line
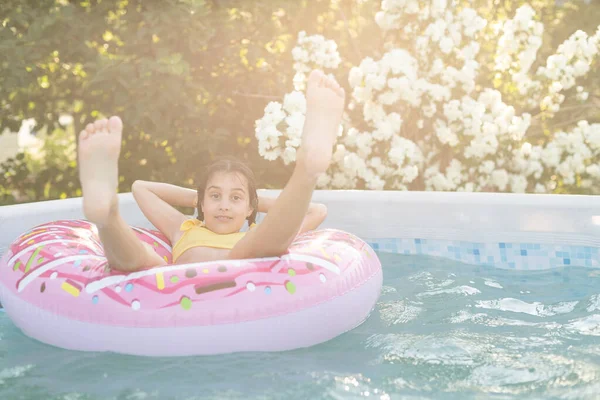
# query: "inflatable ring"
[56,286]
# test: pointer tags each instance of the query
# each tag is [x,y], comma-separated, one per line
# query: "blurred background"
[191,78]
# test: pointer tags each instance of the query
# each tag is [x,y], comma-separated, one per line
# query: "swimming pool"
[483,295]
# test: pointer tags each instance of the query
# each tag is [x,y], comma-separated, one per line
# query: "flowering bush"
[426,116]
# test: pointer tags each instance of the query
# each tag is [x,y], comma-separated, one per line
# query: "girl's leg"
[99,148]
[124,251]
[272,237]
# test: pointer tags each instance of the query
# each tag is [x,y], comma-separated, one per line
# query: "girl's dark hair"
[228,164]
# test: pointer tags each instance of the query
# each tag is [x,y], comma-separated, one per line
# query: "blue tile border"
[520,256]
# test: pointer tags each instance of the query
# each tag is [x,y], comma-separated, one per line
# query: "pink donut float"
[56,287]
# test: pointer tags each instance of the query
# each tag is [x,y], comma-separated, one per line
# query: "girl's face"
[226,203]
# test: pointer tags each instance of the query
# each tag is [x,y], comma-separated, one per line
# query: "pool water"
[441,329]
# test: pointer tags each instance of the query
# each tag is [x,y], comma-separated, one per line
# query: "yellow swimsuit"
[197,235]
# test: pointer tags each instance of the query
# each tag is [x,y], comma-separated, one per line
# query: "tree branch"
[260,96]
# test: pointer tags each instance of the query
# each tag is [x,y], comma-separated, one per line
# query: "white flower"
[294,102]
[591,134]
[446,45]
[376,183]
[299,81]
[555,87]
[518,183]
[389,97]
[314,52]
[295,122]
[341,181]
[271,155]
[300,54]
[486,167]
[500,179]
[289,155]
[377,165]
[593,170]
[481,146]
[445,134]
[409,173]
[455,117]
[353,163]
[274,111]
[355,77]
[364,142]
[582,96]
[323,180]
[267,132]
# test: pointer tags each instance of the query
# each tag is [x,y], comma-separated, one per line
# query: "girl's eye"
[236,198]
[214,195]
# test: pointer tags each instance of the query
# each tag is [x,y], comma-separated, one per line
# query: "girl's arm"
[157,201]
[314,217]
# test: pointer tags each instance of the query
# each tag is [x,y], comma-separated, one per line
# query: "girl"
[225,199]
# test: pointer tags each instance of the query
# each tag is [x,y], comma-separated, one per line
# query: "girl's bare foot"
[324,108]
[99,149]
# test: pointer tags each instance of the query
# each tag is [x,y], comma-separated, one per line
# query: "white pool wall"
[472,217]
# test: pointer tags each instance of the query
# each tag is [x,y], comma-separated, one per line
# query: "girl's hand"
[315,214]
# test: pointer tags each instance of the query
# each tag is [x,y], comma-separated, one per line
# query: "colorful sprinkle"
[268,290]
[190,273]
[155,244]
[186,303]
[72,290]
[83,251]
[33,256]
[205,270]
[31,234]
[77,263]
[118,289]
[165,258]
[291,272]
[43,287]
[222,268]
[53,275]
[322,278]
[129,287]
[174,279]
[290,287]
[135,305]
[95,300]
[250,286]
[215,286]
[40,260]
[160,281]
[17,265]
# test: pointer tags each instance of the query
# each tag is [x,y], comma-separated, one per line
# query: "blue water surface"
[441,330]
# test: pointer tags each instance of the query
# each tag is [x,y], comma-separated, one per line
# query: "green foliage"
[48,173]
[188,77]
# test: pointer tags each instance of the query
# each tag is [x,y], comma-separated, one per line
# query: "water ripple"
[399,312]
[519,306]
